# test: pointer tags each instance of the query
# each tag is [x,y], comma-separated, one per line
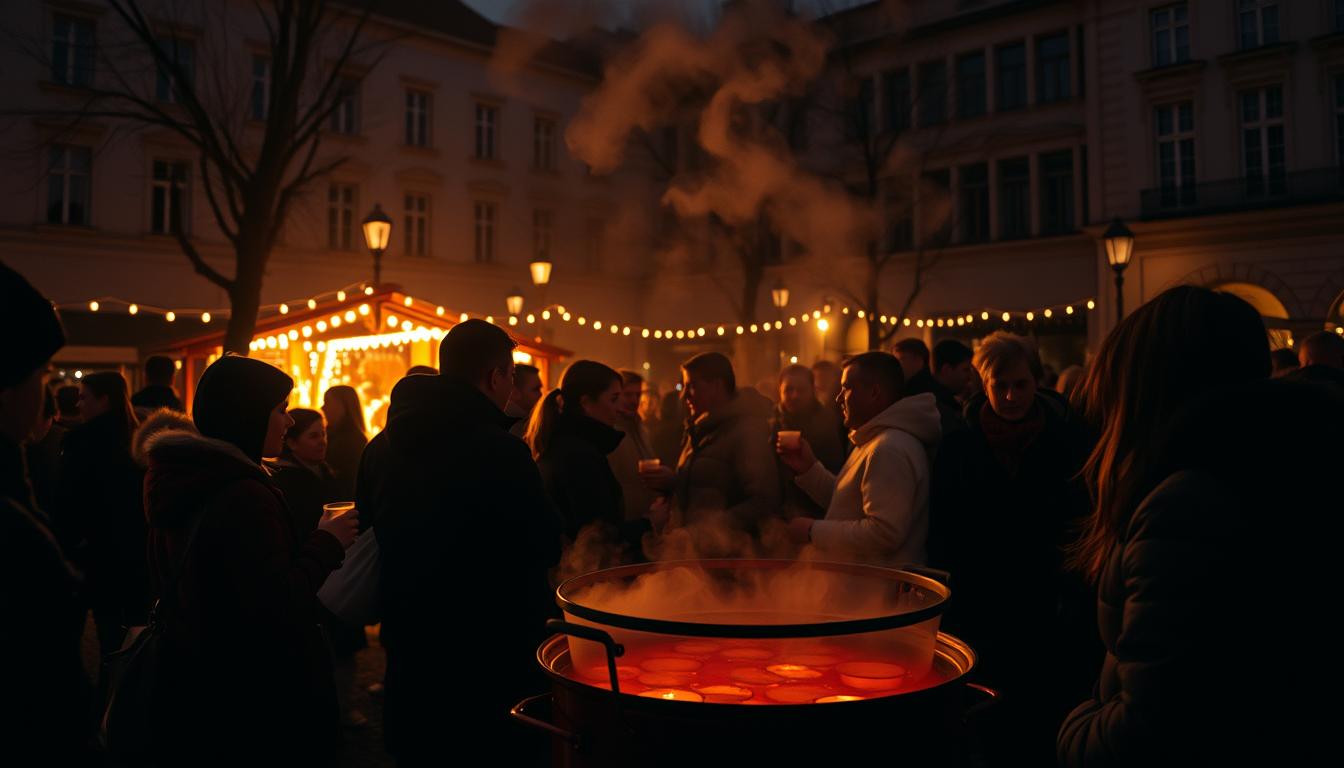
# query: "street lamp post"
[377,231]
[514,302]
[1119,248]
[779,296]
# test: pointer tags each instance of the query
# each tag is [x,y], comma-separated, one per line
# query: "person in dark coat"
[571,433]
[799,411]
[345,435]
[919,378]
[244,670]
[307,482]
[1214,542]
[99,508]
[158,391]
[1006,502]
[467,537]
[40,612]
[670,428]
[43,453]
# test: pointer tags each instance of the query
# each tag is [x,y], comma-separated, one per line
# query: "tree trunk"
[245,298]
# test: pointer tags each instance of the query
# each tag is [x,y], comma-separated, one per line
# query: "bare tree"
[254,160]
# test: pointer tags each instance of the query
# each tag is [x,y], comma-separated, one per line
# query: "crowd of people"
[1112,535]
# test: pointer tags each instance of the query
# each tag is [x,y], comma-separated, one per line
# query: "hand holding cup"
[341,520]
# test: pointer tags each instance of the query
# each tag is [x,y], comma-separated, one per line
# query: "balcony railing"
[1270,191]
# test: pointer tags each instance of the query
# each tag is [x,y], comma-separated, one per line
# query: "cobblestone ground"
[363,747]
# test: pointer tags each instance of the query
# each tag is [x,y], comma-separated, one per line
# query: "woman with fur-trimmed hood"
[245,673]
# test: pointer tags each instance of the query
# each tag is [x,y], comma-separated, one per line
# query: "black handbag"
[127,727]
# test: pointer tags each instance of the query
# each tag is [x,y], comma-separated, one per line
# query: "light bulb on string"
[134,309]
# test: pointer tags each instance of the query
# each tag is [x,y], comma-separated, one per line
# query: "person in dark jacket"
[571,433]
[467,537]
[670,429]
[1213,541]
[158,391]
[40,612]
[307,482]
[799,411]
[99,508]
[43,453]
[244,670]
[919,378]
[345,435]
[1006,501]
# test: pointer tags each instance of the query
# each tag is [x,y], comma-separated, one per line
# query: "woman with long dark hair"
[1210,541]
[345,435]
[307,481]
[98,508]
[571,433]
[243,670]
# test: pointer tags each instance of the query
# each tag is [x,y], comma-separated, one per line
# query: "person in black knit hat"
[247,672]
[40,620]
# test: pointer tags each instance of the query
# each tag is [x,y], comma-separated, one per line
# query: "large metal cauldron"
[596,723]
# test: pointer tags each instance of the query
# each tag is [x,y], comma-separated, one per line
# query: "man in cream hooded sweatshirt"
[877,507]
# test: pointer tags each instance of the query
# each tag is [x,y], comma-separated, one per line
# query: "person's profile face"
[795,392]
[279,424]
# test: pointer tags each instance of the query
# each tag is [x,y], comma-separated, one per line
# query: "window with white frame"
[1339,15]
[1010,75]
[1056,186]
[417,117]
[1262,139]
[935,207]
[71,50]
[485,232]
[180,58]
[1257,22]
[859,123]
[898,225]
[170,199]
[1174,128]
[261,87]
[342,200]
[1339,119]
[345,112]
[543,144]
[1052,68]
[973,205]
[896,100]
[68,187]
[1171,34]
[541,234]
[417,224]
[932,95]
[487,130]
[971,84]
[1014,198]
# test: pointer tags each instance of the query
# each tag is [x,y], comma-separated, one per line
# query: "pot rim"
[759,631]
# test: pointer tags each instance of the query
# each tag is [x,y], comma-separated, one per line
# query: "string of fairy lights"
[823,317]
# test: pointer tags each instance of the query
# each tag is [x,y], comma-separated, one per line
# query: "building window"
[345,113]
[1014,202]
[181,55]
[341,204]
[170,201]
[485,233]
[1171,35]
[417,118]
[1262,139]
[1010,74]
[1339,15]
[1339,117]
[543,144]
[861,112]
[261,86]
[1258,22]
[971,84]
[932,92]
[487,127]
[1052,68]
[68,187]
[417,224]
[595,234]
[541,234]
[896,100]
[898,225]
[935,205]
[1056,192]
[973,205]
[1175,128]
[71,50]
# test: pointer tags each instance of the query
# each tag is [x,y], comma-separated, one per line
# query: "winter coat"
[877,507]
[305,490]
[344,447]
[244,640]
[41,620]
[579,481]
[156,396]
[728,465]
[822,428]
[949,410]
[99,506]
[1215,596]
[467,537]
[520,417]
[624,462]
[1002,535]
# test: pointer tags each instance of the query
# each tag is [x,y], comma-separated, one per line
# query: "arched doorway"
[1269,307]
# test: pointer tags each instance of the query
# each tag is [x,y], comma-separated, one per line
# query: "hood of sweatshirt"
[917,414]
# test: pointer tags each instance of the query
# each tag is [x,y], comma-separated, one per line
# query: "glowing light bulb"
[134,309]
[93,306]
[1091,304]
[823,325]
[1031,316]
[340,295]
[170,316]
[312,303]
[644,333]
[1006,317]
[205,317]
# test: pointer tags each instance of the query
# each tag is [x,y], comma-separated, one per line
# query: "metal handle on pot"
[989,699]
[519,713]
[940,576]
[613,648]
